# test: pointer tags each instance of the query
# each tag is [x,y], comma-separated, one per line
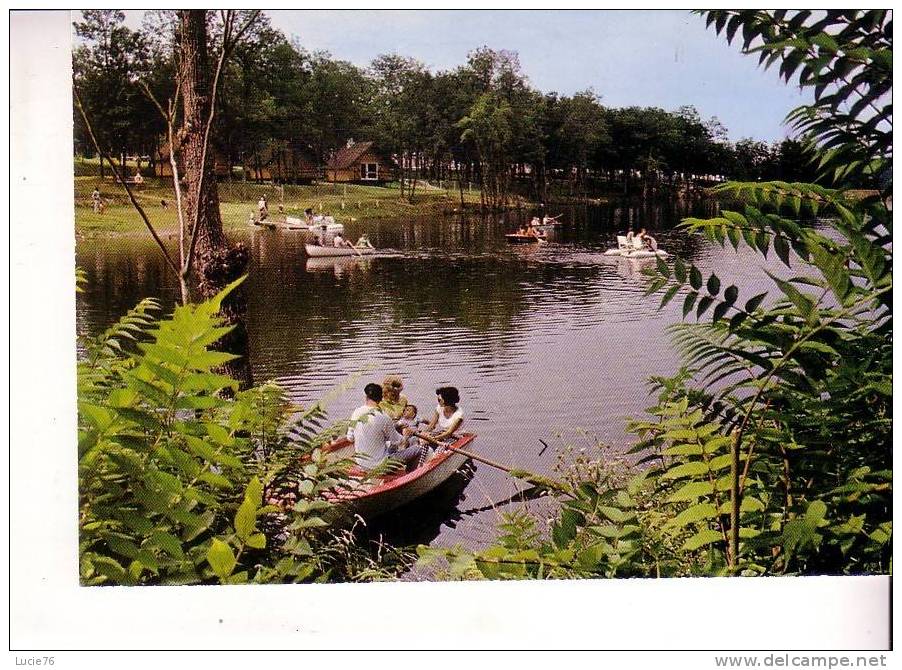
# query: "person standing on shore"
[97,200]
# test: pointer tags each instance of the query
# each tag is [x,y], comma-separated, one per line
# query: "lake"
[549,344]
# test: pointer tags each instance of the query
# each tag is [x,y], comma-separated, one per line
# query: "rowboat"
[373,498]
[336,264]
[315,251]
[516,238]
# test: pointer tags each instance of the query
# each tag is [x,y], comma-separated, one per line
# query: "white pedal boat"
[297,223]
[635,250]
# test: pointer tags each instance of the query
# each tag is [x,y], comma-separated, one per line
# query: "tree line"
[481,123]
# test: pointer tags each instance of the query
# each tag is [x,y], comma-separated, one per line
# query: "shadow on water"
[423,520]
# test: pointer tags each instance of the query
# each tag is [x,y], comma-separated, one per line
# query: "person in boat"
[262,209]
[363,242]
[393,401]
[409,418]
[535,221]
[308,216]
[629,236]
[338,242]
[648,241]
[531,231]
[547,220]
[374,434]
[446,420]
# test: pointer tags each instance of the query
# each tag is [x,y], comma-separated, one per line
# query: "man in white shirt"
[374,434]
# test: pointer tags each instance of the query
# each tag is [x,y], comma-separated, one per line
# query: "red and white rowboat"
[392,491]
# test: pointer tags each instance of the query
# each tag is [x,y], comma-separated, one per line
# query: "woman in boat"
[531,231]
[393,401]
[447,419]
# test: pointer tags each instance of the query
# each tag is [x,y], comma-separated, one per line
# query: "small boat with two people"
[527,234]
[320,248]
[639,245]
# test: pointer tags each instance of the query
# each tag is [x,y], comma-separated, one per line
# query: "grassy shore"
[238,201]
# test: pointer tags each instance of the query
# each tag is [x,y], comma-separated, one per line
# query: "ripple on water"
[542,341]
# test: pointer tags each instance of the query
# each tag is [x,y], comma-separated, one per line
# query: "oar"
[525,475]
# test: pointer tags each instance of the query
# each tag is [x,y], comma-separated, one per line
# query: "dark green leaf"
[695,278]
[713,284]
[688,303]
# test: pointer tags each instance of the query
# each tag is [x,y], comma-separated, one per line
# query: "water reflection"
[542,340]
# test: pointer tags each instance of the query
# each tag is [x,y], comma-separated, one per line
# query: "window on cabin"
[369,171]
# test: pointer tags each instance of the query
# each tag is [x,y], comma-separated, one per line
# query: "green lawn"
[239,200]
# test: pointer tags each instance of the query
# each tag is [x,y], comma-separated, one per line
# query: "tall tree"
[217,263]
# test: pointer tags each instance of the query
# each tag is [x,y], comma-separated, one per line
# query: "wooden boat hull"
[514,238]
[395,491]
[315,251]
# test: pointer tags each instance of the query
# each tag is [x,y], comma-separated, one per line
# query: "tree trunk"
[216,263]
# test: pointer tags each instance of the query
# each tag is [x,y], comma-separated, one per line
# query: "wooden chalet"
[163,168]
[360,163]
[293,162]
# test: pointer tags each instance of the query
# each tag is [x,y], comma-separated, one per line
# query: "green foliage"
[181,483]
[845,57]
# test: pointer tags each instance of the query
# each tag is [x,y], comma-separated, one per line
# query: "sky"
[660,58]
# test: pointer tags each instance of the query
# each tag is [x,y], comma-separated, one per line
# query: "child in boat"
[409,418]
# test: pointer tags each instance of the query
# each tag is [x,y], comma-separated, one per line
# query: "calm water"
[552,342]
